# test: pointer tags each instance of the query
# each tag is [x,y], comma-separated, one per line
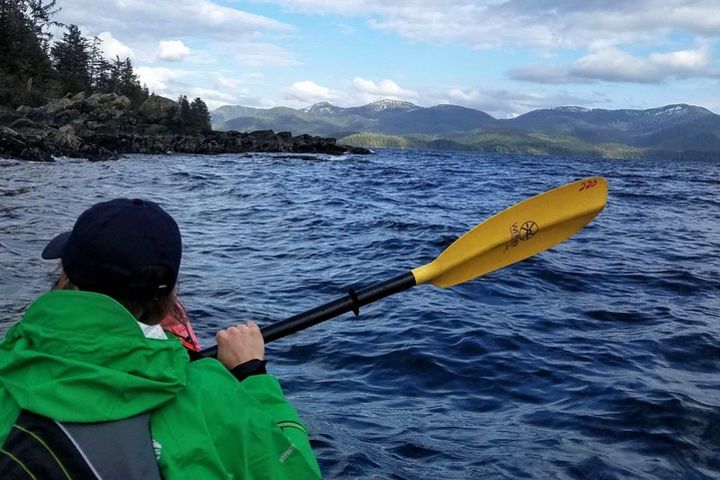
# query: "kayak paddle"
[519,232]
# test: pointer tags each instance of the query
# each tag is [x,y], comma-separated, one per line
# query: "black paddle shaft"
[349,303]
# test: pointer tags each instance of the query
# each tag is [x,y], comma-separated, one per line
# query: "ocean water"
[597,359]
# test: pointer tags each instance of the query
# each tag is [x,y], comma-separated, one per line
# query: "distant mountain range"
[666,132]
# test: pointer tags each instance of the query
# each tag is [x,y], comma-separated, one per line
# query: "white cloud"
[544,73]
[143,25]
[614,65]
[383,88]
[158,79]
[112,47]
[217,89]
[308,92]
[172,50]
[161,19]
[548,24]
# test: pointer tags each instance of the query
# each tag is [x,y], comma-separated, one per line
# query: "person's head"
[127,249]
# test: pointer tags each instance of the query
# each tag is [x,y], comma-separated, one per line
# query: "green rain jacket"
[81,357]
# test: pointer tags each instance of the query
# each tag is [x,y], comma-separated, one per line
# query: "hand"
[240,344]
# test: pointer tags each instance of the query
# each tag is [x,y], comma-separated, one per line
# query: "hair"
[148,311]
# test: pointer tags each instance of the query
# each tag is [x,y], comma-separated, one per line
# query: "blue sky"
[505,57]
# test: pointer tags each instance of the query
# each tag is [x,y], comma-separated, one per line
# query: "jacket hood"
[81,357]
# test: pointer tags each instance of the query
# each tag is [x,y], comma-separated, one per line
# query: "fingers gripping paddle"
[514,234]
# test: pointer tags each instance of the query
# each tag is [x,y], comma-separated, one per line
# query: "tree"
[98,67]
[181,118]
[200,116]
[119,77]
[71,59]
[41,14]
[20,49]
[23,63]
[130,86]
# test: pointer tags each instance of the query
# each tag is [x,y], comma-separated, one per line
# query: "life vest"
[40,448]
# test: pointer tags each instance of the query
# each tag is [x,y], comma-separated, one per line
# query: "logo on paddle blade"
[524,232]
[528,230]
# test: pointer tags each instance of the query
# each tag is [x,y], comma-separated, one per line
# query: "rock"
[34,114]
[79,97]
[14,144]
[107,100]
[285,140]
[57,106]
[308,144]
[23,110]
[7,115]
[65,117]
[157,109]
[22,123]
[66,140]
[103,126]
[359,150]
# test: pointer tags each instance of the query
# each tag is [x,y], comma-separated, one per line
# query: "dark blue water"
[597,359]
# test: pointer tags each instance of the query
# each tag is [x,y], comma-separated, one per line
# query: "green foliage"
[192,117]
[533,144]
[32,72]
[80,64]
[199,116]
[376,140]
[41,14]
[24,65]
[123,81]
[72,60]
[540,144]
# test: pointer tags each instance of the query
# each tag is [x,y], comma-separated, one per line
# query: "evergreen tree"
[41,14]
[20,49]
[23,63]
[119,77]
[200,116]
[102,80]
[71,58]
[182,114]
[130,85]
[29,75]
[113,73]
[97,66]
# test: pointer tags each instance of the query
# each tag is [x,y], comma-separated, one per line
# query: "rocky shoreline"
[104,126]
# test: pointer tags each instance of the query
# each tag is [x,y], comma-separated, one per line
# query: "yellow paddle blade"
[517,233]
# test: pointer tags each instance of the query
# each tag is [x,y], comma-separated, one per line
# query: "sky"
[504,57]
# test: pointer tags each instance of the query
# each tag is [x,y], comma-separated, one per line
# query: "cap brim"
[56,247]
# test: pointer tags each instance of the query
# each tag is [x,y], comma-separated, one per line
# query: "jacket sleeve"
[260,434]
[267,392]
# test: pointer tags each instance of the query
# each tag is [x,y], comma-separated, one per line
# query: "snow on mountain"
[389,103]
[322,108]
[570,109]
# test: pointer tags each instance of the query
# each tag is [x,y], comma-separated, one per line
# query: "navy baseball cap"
[128,248]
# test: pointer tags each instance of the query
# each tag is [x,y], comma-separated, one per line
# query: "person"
[92,387]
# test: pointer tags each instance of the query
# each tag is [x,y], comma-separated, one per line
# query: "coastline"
[104,126]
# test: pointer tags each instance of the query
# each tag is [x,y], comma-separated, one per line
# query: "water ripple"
[597,359]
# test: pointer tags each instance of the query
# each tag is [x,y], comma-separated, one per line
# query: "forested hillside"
[36,68]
